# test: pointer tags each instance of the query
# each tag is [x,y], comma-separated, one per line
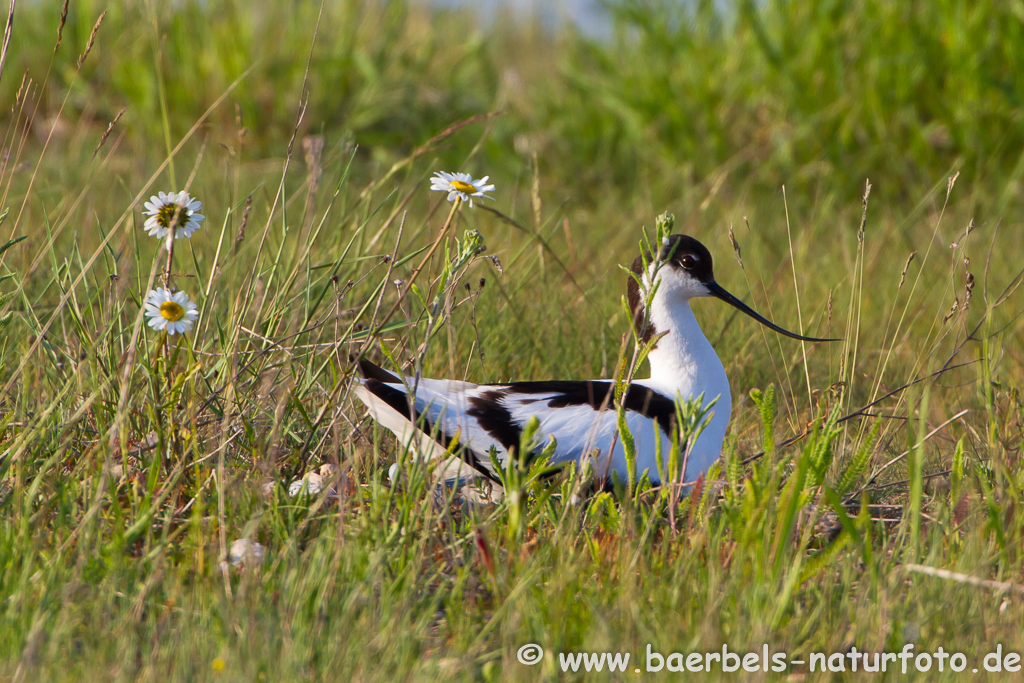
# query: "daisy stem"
[167,282]
[165,350]
[158,398]
[170,249]
[412,278]
[430,252]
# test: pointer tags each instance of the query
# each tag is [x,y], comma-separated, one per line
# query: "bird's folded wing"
[578,414]
[581,416]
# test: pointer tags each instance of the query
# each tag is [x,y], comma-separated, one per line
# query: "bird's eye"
[688,261]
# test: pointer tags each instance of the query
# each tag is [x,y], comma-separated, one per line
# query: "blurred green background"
[818,96]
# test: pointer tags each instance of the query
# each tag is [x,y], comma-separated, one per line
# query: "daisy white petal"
[177,210]
[461,186]
[173,312]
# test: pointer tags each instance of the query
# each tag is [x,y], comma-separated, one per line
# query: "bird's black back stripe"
[495,418]
[650,403]
[371,370]
[399,400]
[598,394]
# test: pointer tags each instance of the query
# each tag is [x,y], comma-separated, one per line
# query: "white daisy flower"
[175,208]
[461,186]
[173,312]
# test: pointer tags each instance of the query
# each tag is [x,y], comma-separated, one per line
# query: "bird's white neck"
[683,360]
[684,365]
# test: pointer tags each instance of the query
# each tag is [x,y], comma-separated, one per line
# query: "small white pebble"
[244,551]
[312,484]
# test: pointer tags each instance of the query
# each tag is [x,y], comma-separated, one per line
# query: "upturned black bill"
[718,292]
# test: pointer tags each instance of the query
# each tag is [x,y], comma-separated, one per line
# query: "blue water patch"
[590,16]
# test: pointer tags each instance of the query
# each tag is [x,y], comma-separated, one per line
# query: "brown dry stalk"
[313,148]
[903,275]
[950,183]
[736,246]
[7,37]
[21,90]
[240,235]
[92,37]
[948,575]
[106,133]
[60,26]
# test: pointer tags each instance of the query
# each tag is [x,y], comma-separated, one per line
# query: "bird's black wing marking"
[371,370]
[495,418]
[597,394]
[650,403]
[399,400]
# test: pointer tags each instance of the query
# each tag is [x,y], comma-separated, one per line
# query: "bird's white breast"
[684,364]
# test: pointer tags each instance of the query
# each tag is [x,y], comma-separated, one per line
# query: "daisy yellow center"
[167,214]
[462,186]
[172,311]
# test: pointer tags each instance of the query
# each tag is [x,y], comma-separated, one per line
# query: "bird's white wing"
[581,417]
[438,416]
[577,414]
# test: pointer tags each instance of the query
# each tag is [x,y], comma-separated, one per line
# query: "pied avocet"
[428,414]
